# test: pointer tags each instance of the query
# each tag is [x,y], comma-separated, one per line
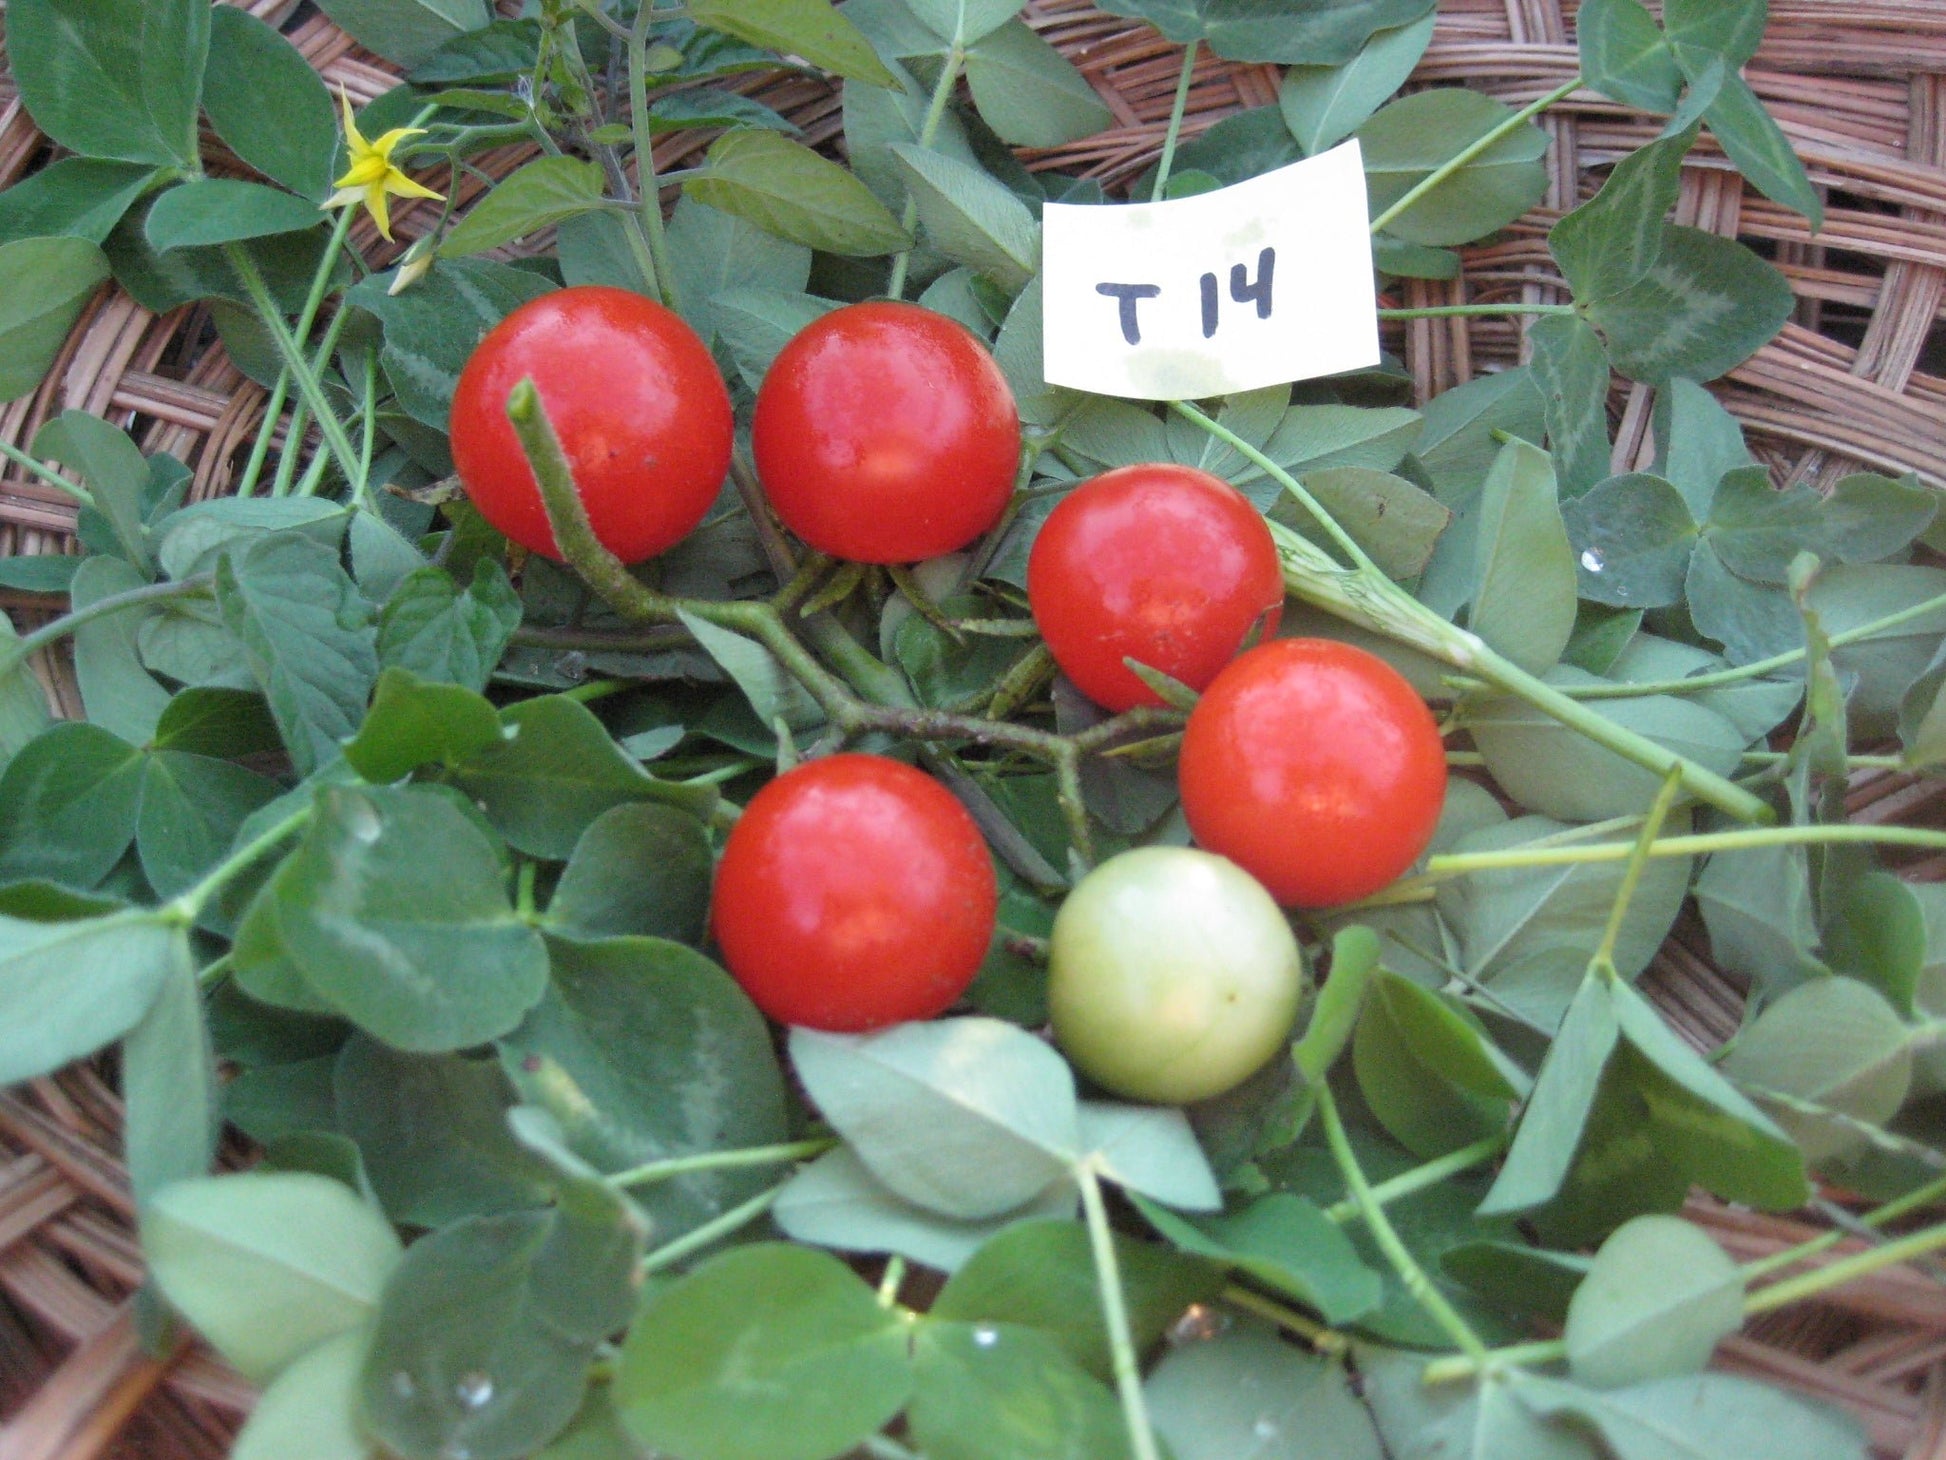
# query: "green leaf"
[1018,351]
[1760,149]
[393,909]
[1430,1075]
[768,1350]
[1248,1395]
[406,31]
[1150,1150]
[1697,443]
[1028,92]
[1041,1275]
[1884,664]
[1703,1417]
[1517,1278]
[836,1202]
[1245,145]
[1564,1094]
[773,691]
[1323,105]
[74,197]
[432,1130]
[1397,523]
[1756,905]
[1284,1242]
[1487,1421]
[539,195]
[807,28]
[1408,140]
[1705,306]
[963,22]
[196,536]
[967,1117]
[789,190]
[193,806]
[73,983]
[441,632]
[431,329]
[645,1050]
[1624,55]
[1728,30]
[712,253]
[1355,953]
[639,868]
[113,468]
[711,106]
[112,78]
[1524,606]
[68,805]
[1869,517]
[545,785]
[1660,1296]
[214,210]
[268,1266]
[311,1407]
[1877,929]
[754,324]
[414,723]
[169,1086]
[876,117]
[971,218]
[1315,32]
[52,279]
[479,1345]
[305,638]
[1750,620]
[1571,368]
[1835,1043]
[1755,530]
[999,1391]
[1631,537]
[268,105]
[1612,241]
[23,703]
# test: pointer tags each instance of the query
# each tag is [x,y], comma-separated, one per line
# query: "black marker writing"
[1243,291]
[1128,295]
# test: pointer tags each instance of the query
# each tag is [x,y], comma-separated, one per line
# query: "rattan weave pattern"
[1857,378]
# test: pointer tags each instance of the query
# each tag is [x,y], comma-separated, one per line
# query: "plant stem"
[46,473]
[1760,667]
[1176,111]
[1470,311]
[1452,864]
[1386,1236]
[1362,594]
[891,1280]
[1468,153]
[719,1161]
[1603,961]
[1324,1340]
[189,906]
[690,1243]
[308,388]
[1114,1315]
[20,650]
[1421,1178]
[648,190]
[942,93]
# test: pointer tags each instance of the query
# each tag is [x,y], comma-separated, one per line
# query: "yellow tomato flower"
[373,174]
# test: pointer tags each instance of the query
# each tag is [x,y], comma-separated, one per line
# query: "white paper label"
[1264,282]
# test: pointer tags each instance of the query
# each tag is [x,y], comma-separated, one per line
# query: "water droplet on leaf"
[986,1336]
[1592,560]
[473,1389]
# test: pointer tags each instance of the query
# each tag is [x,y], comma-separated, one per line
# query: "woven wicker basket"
[1858,377]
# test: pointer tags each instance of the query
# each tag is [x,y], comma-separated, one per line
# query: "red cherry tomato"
[885,433]
[638,405]
[1166,565]
[854,892]
[1316,768]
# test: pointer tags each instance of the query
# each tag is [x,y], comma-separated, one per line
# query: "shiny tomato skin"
[1159,563]
[854,892]
[1171,976]
[1316,768]
[636,400]
[885,433]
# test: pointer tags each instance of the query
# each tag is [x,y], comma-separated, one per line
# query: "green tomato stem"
[1386,1236]
[1314,1333]
[663,1170]
[46,473]
[1603,961]
[942,92]
[1114,1315]
[648,190]
[20,650]
[1475,149]
[306,318]
[1177,110]
[690,1243]
[1474,311]
[1421,1178]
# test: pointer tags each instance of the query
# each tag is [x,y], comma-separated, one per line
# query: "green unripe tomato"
[1172,975]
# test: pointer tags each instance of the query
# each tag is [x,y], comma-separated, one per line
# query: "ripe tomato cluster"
[855,891]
